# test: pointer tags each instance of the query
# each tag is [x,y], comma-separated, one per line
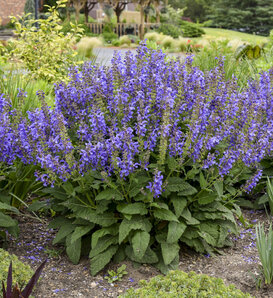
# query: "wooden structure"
[122,28]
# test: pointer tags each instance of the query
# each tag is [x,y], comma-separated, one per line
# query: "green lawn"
[230,34]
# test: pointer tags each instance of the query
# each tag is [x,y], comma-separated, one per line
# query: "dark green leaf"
[102,244]
[64,231]
[189,219]
[81,231]
[219,188]
[112,230]
[6,221]
[101,260]
[136,223]
[5,206]
[202,181]
[175,231]
[58,222]
[176,184]
[73,249]
[165,215]
[133,208]
[179,203]
[140,242]
[150,256]
[169,252]
[165,268]
[109,194]
[206,197]
[172,163]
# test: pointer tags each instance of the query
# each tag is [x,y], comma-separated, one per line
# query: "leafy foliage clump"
[181,284]
[45,51]
[170,29]
[21,272]
[191,29]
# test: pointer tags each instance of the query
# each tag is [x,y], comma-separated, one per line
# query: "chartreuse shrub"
[46,52]
[181,284]
[144,156]
[21,272]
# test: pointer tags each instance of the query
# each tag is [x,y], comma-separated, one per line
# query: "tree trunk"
[141,31]
[86,12]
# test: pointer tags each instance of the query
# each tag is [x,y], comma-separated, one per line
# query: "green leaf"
[120,255]
[81,231]
[73,249]
[172,163]
[133,208]
[98,262]
[109,194]
[194,243]
[231,190]
[206,197]
[140,242]
[57,193]
[105,219]
[5,206]
[149,257]
[175,231]
[209,232]
[136,223]
[165,215]
[112,230]
[64,231]
[179,204]
[219,186]
[169,252]
[6,221]
[102,244]
[69,189]
[202,181]
[176,184]
[165,268]
[189,219]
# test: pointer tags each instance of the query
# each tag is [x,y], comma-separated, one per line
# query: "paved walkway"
[104,55]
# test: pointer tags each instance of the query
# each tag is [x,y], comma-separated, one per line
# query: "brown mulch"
[238,265]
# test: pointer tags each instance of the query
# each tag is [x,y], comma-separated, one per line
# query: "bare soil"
[239,264]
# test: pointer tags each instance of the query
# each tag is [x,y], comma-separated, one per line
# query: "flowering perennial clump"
[139,152]
[138,112]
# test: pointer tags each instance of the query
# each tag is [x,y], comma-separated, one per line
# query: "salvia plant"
[144,156]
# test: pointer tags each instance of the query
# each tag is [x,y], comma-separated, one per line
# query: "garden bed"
[238,264]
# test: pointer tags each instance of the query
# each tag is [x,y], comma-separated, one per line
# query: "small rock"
[93,284]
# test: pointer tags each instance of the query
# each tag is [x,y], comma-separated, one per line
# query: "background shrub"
[191,30]
[170,29]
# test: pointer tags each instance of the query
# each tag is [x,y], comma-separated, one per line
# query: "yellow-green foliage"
[168,42]
[182,44]
[153,36]
[180,284]
[46,52]
[86,45]
[125,40]
[21,273]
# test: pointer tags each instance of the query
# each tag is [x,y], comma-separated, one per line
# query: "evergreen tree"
[252,16]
